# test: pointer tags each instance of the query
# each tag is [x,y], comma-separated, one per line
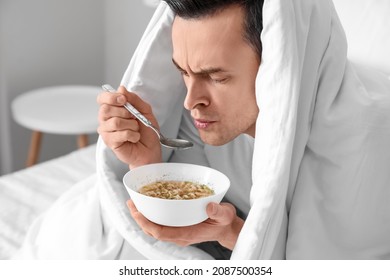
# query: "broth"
[181,190]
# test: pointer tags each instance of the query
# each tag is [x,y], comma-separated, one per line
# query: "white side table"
[69,110]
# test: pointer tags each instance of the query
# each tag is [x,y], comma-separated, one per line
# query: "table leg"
[35,146]
[82,141]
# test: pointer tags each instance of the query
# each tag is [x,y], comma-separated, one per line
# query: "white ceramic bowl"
[175,212]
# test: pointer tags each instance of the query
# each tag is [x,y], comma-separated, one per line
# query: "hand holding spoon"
[166,142]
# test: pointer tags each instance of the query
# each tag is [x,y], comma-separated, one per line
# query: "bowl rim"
[223,191]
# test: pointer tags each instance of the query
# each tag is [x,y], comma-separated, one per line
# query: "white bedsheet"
[27,193]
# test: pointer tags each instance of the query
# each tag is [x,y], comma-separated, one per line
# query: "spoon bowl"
[164,141]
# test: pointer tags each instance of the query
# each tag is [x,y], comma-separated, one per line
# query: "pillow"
[367,27]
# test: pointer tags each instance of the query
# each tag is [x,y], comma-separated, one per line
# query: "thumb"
[223,213]
[122,89]
[135,100]
[121,99]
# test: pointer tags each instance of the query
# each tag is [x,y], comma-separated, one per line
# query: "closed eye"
[209,73]
[220,81]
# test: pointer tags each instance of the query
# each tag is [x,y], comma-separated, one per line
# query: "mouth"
[202,124]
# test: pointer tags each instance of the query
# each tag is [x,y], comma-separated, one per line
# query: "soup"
[176,190]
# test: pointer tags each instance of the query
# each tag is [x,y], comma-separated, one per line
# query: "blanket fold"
[302,41]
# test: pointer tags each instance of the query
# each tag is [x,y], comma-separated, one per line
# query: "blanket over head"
[320,163]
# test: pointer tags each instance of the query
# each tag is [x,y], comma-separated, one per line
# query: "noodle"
[176,190]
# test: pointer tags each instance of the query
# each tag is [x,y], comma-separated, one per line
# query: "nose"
[197,95]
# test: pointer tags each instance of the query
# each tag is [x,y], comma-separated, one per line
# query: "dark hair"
[193,9]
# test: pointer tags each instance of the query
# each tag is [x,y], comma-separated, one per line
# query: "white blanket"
[321,158]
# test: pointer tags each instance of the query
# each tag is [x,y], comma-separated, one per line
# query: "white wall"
[5,139]
[53,42]
[126,21]
[50,42]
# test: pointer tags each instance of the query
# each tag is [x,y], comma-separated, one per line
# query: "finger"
[147,226]
[138,217]
[135,100]
[111,98]
[117,138]
[223,213]
[131,206]
[118,124]
[182,236]
[122,96]
[136,213]
[108,111]
[122,89]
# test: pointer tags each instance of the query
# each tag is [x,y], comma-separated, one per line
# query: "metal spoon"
[166,142]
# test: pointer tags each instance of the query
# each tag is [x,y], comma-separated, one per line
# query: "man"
[307,130]
[304,139]
[217,50]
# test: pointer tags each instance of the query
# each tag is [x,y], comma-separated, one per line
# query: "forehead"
[209,38]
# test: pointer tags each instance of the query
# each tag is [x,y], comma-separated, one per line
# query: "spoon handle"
[130,107]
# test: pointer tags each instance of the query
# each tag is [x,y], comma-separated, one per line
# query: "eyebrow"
[206,71]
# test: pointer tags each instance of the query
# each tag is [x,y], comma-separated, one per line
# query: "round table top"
[59,110]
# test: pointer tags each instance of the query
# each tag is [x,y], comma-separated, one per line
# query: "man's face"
[219,69]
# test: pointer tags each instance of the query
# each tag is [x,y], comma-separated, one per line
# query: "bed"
[27,193]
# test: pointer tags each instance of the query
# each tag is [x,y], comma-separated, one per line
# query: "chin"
[214,140]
